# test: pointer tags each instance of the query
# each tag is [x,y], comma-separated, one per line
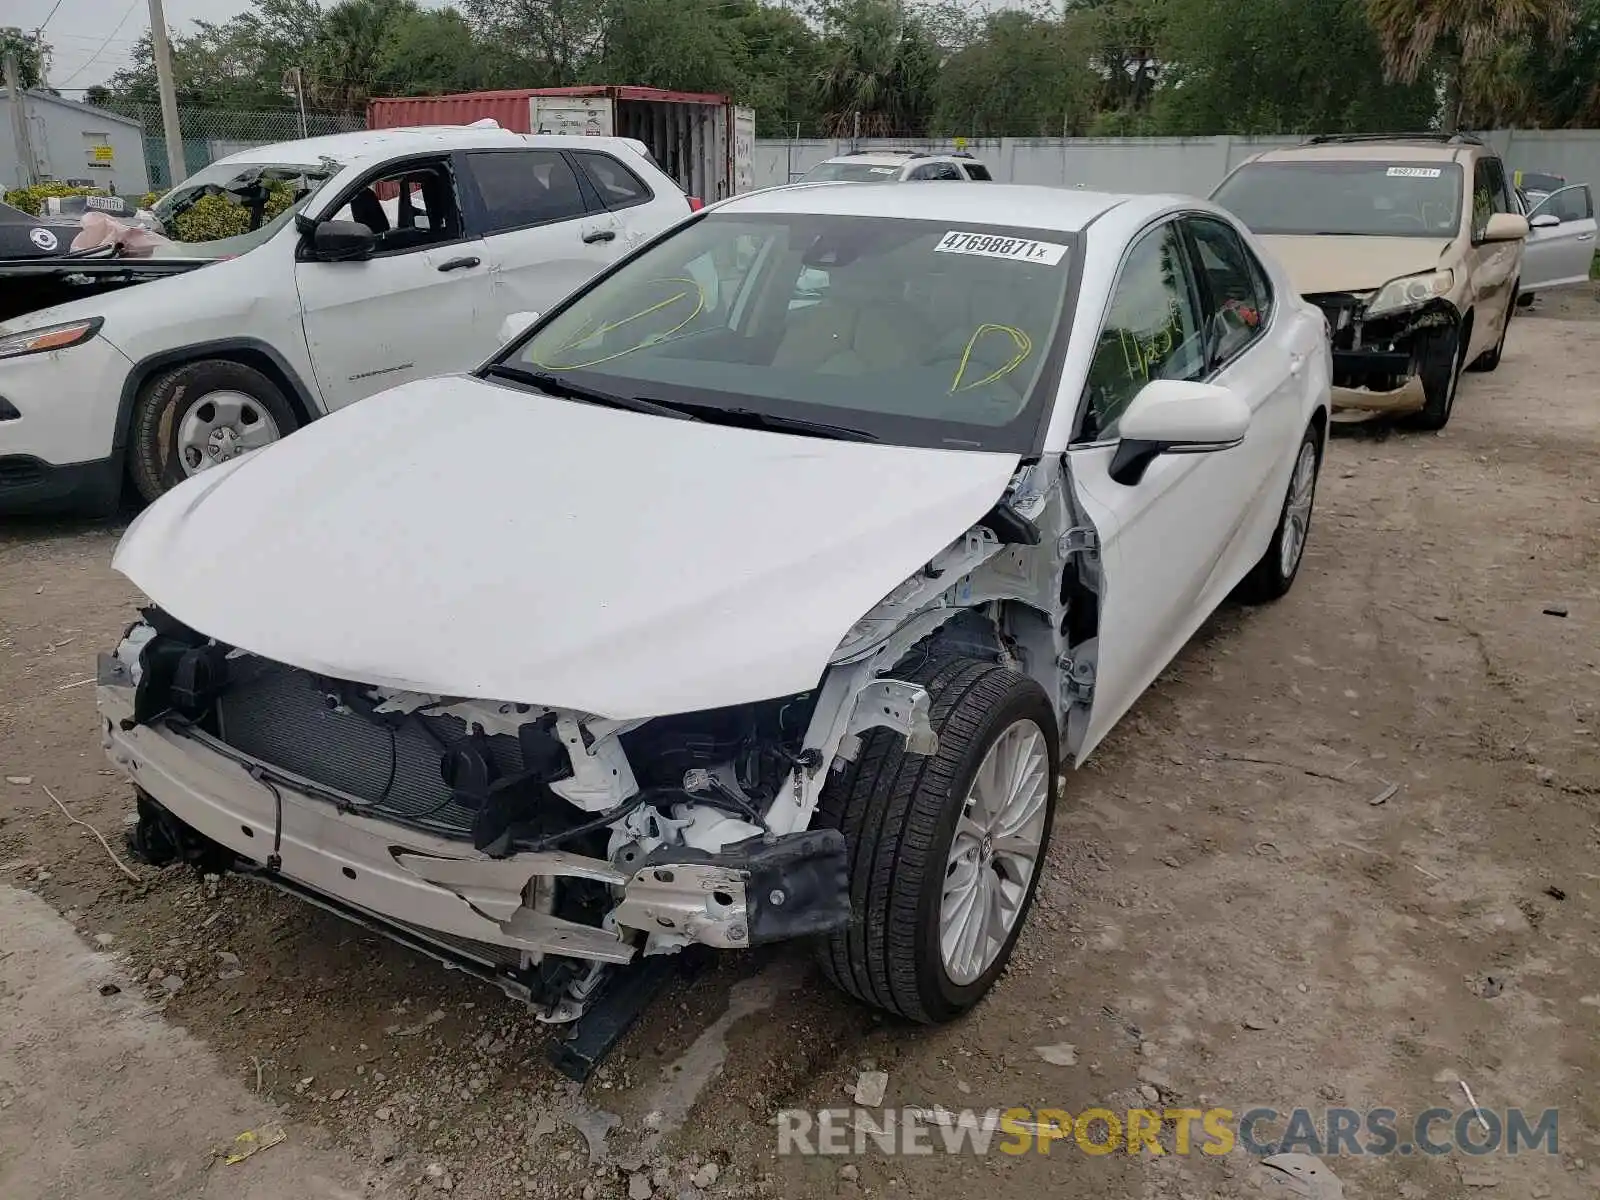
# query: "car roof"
[897,158]
[1029,206]
[371,145]
[1372,150]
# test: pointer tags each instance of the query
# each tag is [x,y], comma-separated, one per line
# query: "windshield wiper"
[565,389]
[712,414]
[839,433]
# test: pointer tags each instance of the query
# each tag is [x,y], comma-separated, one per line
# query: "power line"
[95,57]
[50,14]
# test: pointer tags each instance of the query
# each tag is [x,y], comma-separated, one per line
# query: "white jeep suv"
[397,256]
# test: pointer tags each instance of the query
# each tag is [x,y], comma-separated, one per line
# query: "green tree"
[1121,38]
[1279,66]
[878,71]
[29,51]
[542,43]
[1562,78]
[429,52]
[1020,76]
[682,45]
[782,58]
[1461,39]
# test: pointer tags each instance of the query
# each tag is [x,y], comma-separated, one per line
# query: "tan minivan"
[1411,245]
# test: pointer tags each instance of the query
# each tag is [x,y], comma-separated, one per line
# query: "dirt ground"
[1230,916]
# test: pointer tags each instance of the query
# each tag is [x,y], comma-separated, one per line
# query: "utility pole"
[19,120]
[162,52]
[300,98]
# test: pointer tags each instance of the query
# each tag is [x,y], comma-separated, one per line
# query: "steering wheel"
[1407,218]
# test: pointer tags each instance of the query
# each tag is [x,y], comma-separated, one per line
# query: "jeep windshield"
[262,197]
[1348,199]
[877,328]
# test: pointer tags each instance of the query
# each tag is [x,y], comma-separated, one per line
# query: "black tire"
[1268,580]
[1441,379]
[1490,359]
[898,812]
[153,452]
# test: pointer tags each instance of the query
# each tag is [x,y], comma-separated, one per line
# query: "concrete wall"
[1191,166]
[62,133]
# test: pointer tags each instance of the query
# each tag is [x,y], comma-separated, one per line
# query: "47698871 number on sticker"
[989,245]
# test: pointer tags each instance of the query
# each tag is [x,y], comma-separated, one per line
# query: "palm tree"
[879,65]
[1470,33]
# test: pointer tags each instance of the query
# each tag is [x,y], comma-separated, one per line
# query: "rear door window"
[516,189]
[617,186]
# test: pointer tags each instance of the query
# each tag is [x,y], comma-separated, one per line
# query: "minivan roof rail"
[1447,139]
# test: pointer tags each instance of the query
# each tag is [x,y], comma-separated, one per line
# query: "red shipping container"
[702,140]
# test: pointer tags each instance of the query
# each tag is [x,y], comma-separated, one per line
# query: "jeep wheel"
[946,849]
[201,414]
[1441,377]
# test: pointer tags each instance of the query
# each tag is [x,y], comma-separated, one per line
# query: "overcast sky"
[93,38]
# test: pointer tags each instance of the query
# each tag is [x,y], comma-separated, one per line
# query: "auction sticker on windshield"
[1414,172]
[989,245]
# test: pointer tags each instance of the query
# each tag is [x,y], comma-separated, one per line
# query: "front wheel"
[945,850]
[1441,378]
[1273,576]
[201,414]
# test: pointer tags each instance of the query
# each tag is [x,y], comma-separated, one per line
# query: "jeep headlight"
[48,337]
[1411,291]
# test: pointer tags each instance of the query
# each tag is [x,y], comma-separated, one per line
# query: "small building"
[73,143]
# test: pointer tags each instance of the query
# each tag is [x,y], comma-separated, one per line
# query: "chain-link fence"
[212,133]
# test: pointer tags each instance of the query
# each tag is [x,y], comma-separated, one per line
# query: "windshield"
[912,332]
[849,172]
[1360,199]
[227,209]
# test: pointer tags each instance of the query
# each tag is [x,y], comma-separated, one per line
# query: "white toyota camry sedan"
[757,591]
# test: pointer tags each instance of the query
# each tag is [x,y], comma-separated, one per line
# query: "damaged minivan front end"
[1389,342]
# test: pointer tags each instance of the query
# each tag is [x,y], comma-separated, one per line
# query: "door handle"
[599,235]
[456,264]
[1586,237]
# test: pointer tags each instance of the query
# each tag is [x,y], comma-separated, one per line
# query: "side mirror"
[342,241]
[1175,416]
[1544,221]
[515,325]
[1506,227]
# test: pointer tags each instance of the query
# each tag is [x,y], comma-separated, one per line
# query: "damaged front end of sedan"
[543,848]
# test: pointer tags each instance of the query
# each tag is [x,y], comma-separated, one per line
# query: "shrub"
[31,199]
[213,217]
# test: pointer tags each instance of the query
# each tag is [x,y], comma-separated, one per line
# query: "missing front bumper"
[437,888]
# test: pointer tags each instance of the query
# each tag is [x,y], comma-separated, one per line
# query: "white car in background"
[898,166]
[724,607]
[402,252]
